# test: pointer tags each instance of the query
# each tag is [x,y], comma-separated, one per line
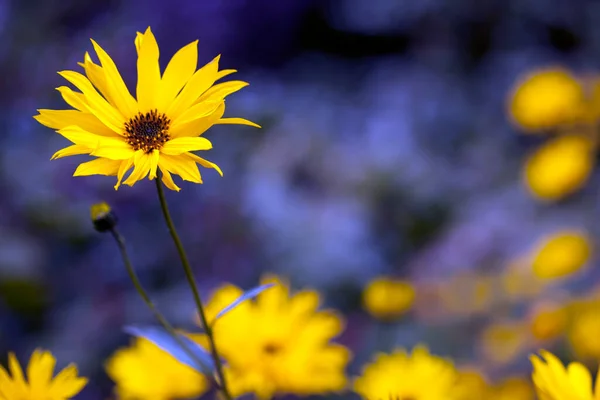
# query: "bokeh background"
[389,148]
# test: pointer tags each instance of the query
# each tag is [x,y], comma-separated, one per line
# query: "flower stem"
[190,278]
[140,289]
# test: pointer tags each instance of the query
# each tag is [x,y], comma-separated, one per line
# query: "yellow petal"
[99,166]
[123,168]
[198,126]
[113,152]
[153,163]
[181,145]
[236,121]
[205,163]
[222,90]
[198,84]
[139,38]
[72,98]
[581,380]
[141,162]
[183,167]
[123,100]
[71,151]
[224,72]
[78,136]
[40,370]
[96,75]
[168,180]
[148,85]
[96,104]
[58,119]
[67,384]
[179,70]
[15,369]
[196,111]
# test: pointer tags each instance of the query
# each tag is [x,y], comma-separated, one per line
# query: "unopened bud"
[103,217]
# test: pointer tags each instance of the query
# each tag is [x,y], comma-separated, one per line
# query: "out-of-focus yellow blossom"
[560,167]
[502,342]
[548,322]
[471,385]
[39,385]
[552,381]
[546,98]
[518,282]
[513,388]
[584,333]
[416,376]
[386,298]
[144,371]
[561,254]
[279,343]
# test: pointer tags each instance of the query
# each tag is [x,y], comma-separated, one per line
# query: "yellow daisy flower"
[553,381]
[39,383]
[386,298]
[157,131]
[561,254]
[278,343]
[144,371]
[416,376]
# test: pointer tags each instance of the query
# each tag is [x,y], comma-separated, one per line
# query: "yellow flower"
[546,98]
[584,333]
[472,385]
[416,376]
[502,342]
[144,371]
[386,298]
[39,384]
[561,254]
[560,167]
[158,130]
[278,343]
[513,388]
[552,381]
[548,322]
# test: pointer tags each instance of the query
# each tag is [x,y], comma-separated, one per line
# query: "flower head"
[386,298]
[144,371]
[157,131]
[416,376]
[39,383]
[552,381]
[279,343]
[561,254]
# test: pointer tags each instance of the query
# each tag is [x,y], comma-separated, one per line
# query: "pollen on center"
[147,131]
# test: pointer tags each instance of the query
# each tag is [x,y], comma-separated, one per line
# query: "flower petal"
[67,384]
[224,72]
[236,121]
[183,167]
[168,180]
[72,98]
[122,99]
[179,70]
[198,84]
[96,75]
[198,126]
[123,168]
[96,103]
[153,164]
[58,119]
[205,163]
[15,369]
[222,90]
[148,85]
[99,166]
[113,151]
[181,145]
[196,111]
[71,151]
[141,162]
[79,136]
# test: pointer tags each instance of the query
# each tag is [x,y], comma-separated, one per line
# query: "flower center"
[271,348]
[148,131]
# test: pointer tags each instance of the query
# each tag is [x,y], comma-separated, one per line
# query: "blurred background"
[444,148]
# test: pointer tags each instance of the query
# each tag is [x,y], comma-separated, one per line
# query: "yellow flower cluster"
[554,100]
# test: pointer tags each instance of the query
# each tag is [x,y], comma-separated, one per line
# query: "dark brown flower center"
[148,131]
[271,348]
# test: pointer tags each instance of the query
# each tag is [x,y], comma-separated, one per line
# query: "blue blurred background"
[385,149]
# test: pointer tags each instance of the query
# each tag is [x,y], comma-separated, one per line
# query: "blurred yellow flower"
[560,167]
[39,384]
[144,371]
[561,254]
[513,388]
[471,385]
[546,98]
[584,333]
[387,298]
[502,342]
[157,131]
[548,322]
[552,381]
[279,343]
[416,376]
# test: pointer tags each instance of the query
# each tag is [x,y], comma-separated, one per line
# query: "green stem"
[140,289]
[191,281]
